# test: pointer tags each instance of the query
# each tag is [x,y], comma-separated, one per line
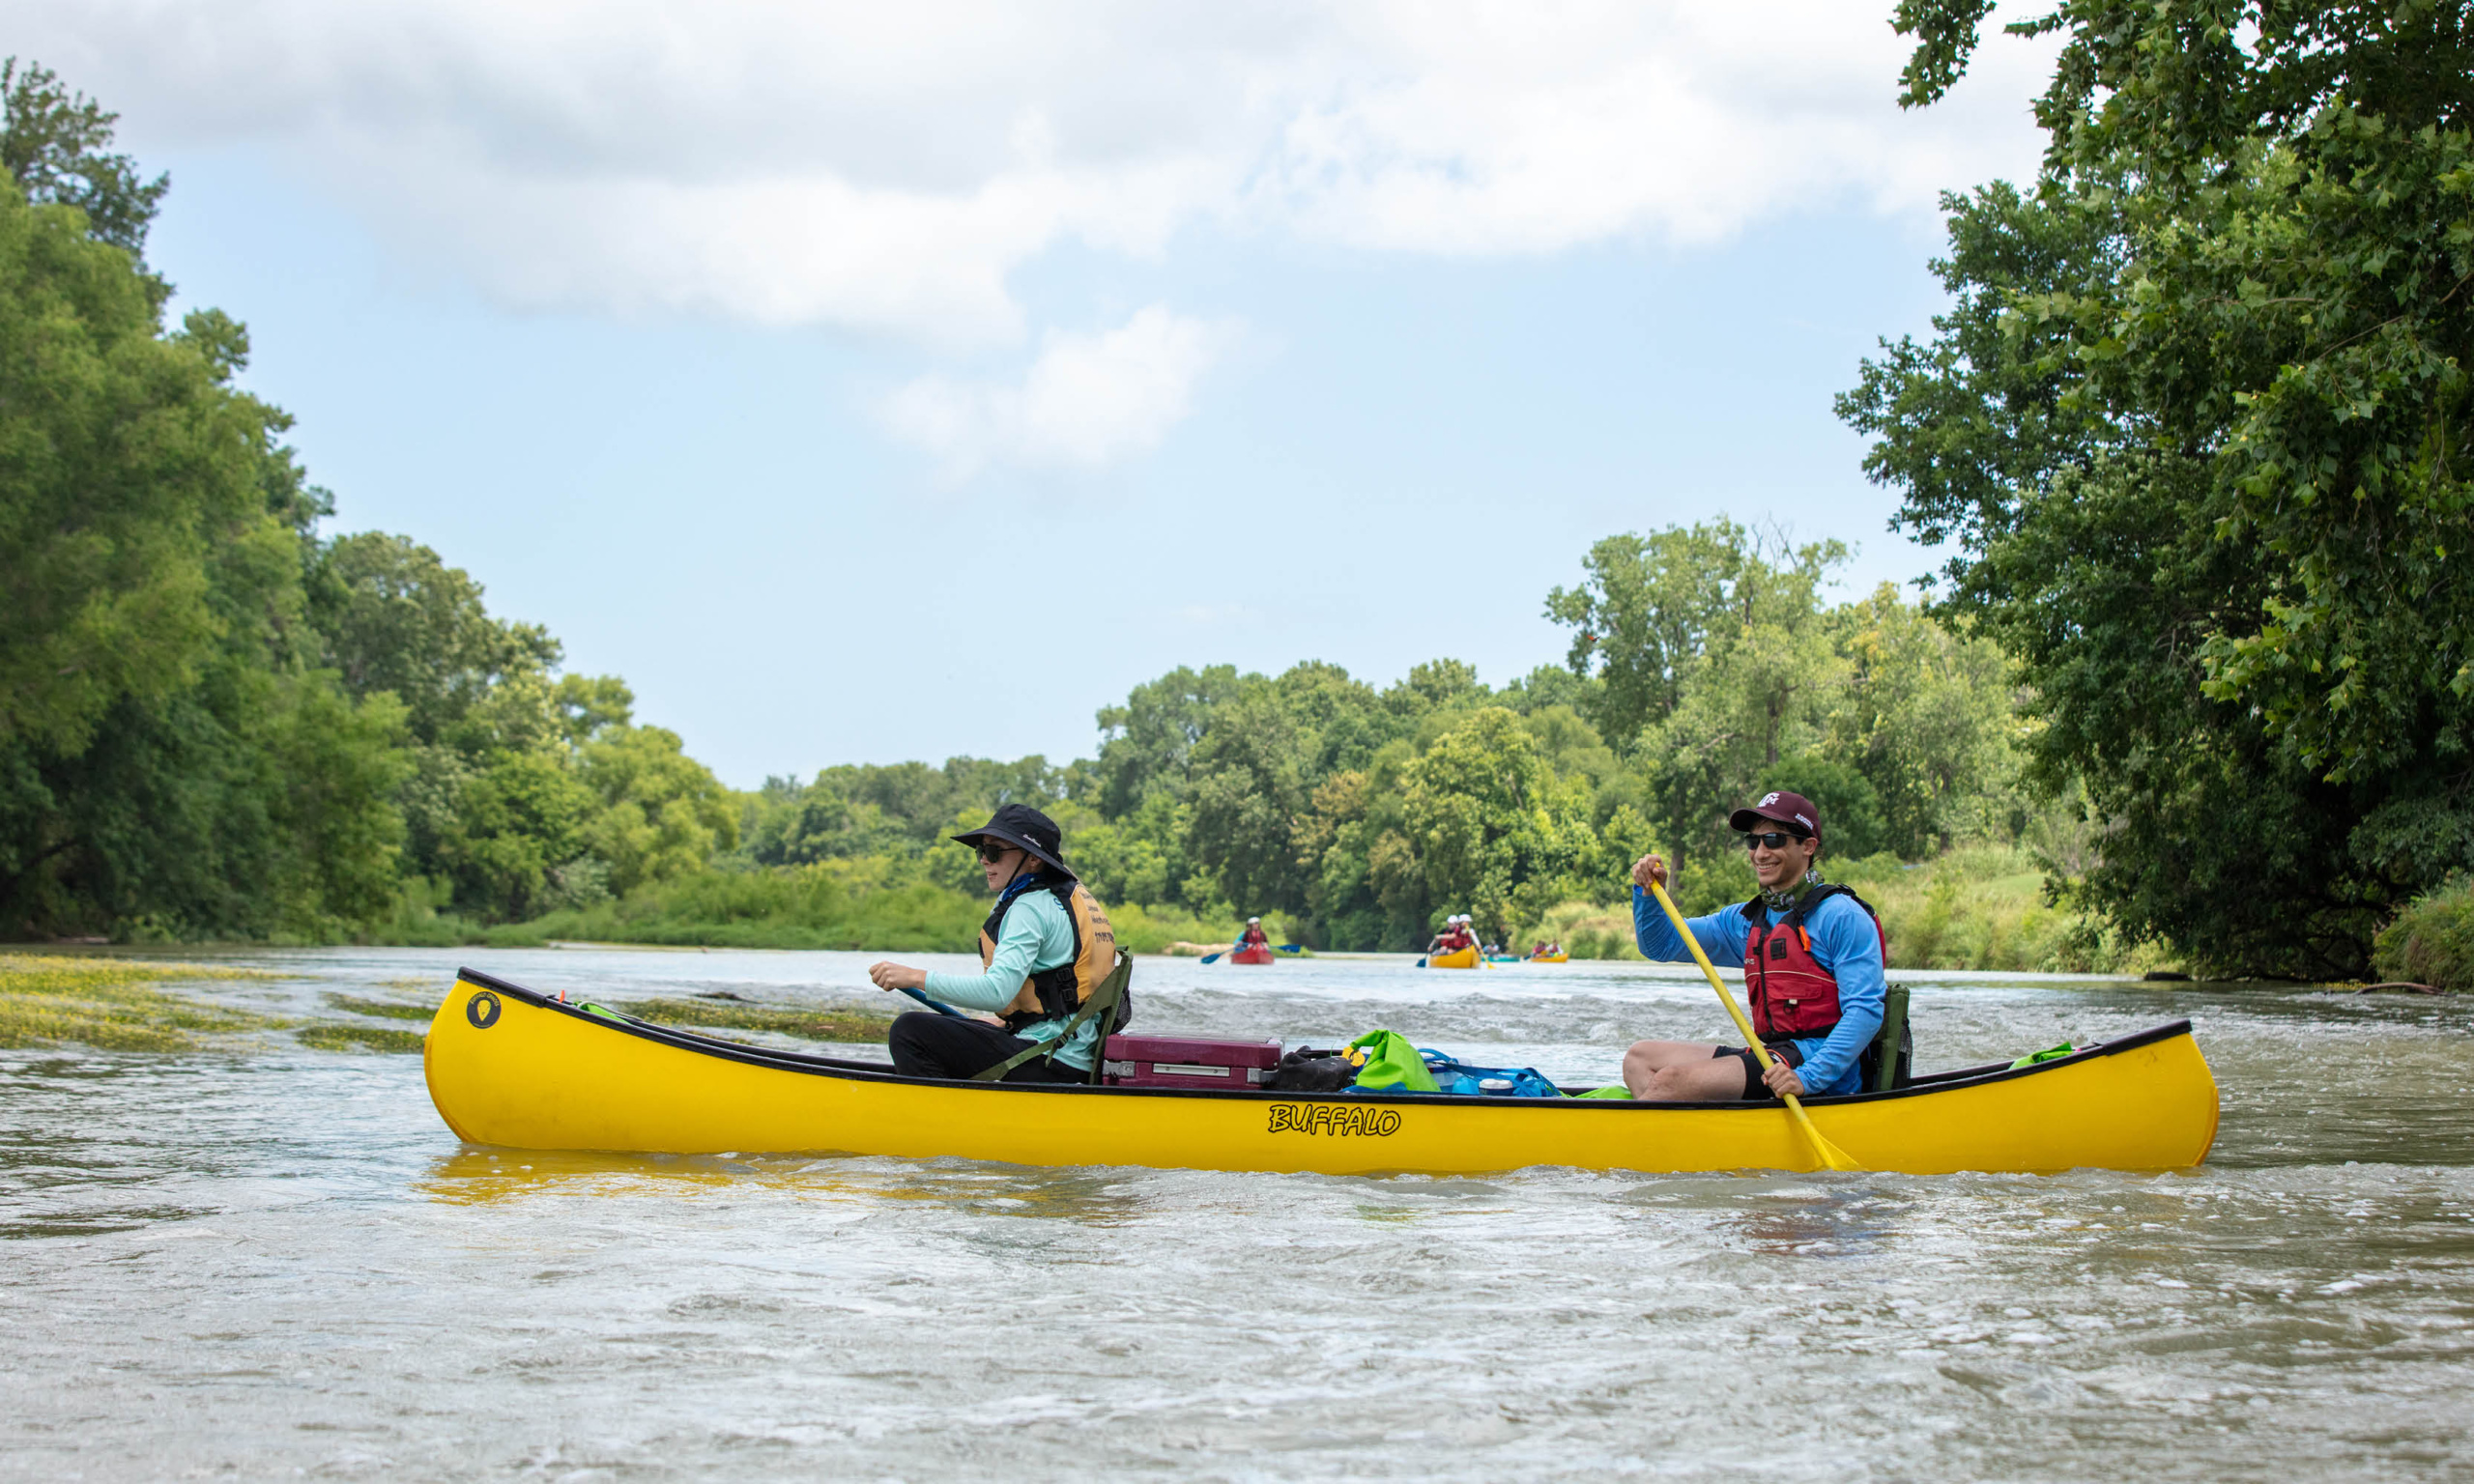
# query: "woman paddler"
[1812,955]
[1043,951]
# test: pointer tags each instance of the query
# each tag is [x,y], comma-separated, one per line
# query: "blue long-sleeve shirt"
[1037,936]
[1843,942]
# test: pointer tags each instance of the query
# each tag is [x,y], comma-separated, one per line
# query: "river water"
[277,1261]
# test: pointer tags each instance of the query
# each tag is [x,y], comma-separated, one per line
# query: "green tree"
[1644,615]
[1927,717]
[2197,427]
[55,144]
[1757,692]
[170,761]
[1147,744]
[1493,828]
[394,617]
[662,814]
[515,822]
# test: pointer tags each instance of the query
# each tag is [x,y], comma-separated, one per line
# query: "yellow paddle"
[1830,1153]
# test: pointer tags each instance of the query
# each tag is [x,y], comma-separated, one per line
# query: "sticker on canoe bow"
[1342,1120]
[482,1010]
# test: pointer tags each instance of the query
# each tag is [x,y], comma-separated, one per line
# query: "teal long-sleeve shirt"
[1036,935]
[1843,942]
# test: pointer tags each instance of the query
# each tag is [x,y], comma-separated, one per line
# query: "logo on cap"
[1768,799]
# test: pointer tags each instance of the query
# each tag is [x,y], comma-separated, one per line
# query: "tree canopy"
[2196,425]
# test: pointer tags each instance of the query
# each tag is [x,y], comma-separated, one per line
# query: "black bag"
[1308,1070]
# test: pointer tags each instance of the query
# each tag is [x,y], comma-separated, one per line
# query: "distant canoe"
[512,1068]
[1457,958]
[1260,952]
[1549,958]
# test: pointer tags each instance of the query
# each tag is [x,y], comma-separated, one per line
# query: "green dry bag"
[1392,1064]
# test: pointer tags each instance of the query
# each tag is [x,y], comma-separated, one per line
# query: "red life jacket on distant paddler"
[1793,996]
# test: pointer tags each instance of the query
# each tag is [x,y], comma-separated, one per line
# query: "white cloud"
[884,168]
[1084,401]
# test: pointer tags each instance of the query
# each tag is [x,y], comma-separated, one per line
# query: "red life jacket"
[1793,996]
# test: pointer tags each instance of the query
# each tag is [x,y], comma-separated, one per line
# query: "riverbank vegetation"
[114,1004]
[2432,942]
[2194,688]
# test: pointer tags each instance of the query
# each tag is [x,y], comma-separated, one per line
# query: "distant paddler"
[1043,951]
[1813,956]
[1456,935]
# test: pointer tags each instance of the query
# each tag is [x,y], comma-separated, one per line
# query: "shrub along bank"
[2432,942]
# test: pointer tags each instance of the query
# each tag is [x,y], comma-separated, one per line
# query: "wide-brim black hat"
[1024,828]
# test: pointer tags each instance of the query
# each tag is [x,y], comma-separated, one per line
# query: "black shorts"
[1753,1086]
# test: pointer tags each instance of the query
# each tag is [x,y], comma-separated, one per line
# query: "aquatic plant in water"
[47,999]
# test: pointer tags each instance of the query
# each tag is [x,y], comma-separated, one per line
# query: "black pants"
[928,1044]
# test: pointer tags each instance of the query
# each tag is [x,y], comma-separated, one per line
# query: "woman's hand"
[1648,871]
[1782,1080]
[887,975]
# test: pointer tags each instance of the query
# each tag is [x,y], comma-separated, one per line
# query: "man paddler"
[1812,955]
[1043,951]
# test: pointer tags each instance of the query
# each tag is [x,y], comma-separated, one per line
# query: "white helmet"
[1252,921]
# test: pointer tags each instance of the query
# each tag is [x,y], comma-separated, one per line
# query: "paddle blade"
[1290,948]
[1831,1156]
[1211,958]
[1422,963]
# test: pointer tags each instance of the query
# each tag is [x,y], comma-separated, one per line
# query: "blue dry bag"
[1453,1076]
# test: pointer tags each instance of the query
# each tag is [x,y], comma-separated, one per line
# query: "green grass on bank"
[801,907]
[2432,942]
[1984,908]
[53,1000]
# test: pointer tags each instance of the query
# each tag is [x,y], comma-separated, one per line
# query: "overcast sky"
[867,381]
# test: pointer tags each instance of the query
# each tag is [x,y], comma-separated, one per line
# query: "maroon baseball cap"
[1792,810]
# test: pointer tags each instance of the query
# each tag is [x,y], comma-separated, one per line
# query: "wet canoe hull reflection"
[511,1068]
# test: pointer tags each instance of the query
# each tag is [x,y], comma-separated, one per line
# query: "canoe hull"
[1251,955]
[507,1067]
[1460,959]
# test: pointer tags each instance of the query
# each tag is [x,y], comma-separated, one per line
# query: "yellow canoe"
[1549,959]
[1457,958]
[512,1068]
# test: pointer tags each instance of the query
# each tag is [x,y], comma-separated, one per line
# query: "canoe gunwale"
[877,1072]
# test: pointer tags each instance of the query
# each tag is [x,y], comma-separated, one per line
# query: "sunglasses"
[1775,840]
[993,853]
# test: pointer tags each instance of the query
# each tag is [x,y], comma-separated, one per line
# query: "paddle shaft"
[1830,1153]
[939,1006]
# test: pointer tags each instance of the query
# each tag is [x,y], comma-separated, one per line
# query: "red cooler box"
[1186,1061]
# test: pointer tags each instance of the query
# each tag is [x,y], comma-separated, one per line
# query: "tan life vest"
[1053,994]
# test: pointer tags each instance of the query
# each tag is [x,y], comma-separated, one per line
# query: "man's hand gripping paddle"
[1831,1156]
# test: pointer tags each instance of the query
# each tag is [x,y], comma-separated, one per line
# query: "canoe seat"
[1889,1062]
